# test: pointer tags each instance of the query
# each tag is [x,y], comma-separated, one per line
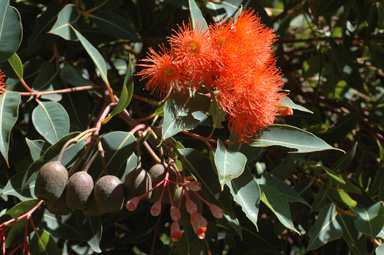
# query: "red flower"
[162,71]
[2,85]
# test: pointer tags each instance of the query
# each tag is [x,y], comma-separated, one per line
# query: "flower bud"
[190,206]
[156,208]
[175,231]
[132,204]
[194,186]
[217,212]
[199,225]
[175,213]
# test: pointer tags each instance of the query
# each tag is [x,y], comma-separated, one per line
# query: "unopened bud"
[132,204]
[175,231]
[194,186]
[156,208]
[199,225]
[175,213]
[190,206]
[217,212]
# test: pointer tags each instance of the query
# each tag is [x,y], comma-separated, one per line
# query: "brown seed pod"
[109,194]
[79,190]
[51,181]
[137,182]
[158,173]
[60,207]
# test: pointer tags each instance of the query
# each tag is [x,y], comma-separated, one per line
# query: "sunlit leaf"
[43,243]
[16,65]
[67,15]
[10,30]
[325,229]
[51,121]
[291,137]
[229,164]
[286,101]
[196,16]
[9,112]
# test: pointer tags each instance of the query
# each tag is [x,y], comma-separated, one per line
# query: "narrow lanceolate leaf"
[230,165]
[126,93]
[114,25]
[10,30]
[67,16]
[43,243]
[178,113]
[350,234]
[278,205]
[51,121]
[286,101]
[325,229]
[291,137]
[16,65]
[246,192]
[95,55]
[370,221]
[196,16]
[9,112]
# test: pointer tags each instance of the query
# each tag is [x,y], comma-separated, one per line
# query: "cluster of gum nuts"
[160,185]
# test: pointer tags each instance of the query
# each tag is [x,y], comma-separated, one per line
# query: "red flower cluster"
[234,60]
[2,85]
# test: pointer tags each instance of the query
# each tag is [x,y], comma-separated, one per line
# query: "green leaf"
[325,229]
[68,15]
[178,113]
[278,205]
[51,121]
[339,194]
[370,221]
[201,169]
[380,250]
[126,93]
[43,81]
[65,227]
[346,159]
[246,192]
[291,137]
[14,188]
[10,30]
[36,148]
[114,25]
[290,194]
[43,243]
[224,9]
[334,176]
[16,65]
[230,165]
[72,76]
[350,234]
[286,101]
[196,16]
[9,112]
[95,56]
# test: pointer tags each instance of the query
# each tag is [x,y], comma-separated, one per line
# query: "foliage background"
[332,57]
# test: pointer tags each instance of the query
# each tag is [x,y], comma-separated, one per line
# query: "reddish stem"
[22,216]
[60,91]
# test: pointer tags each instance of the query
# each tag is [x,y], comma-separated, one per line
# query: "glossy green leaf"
[350,234]
[43,81]
[114,25]
[286,101]
[14,188]
[196,16]
[11,31]
[246,192]
[339,194]
[289,193]
[16,65]
[252,153]
[36,148]
[201,169]
[178,113]
[325,229]
[278,205]
[380,250]
[370,221]
[229,164]
[95,55]
[72,76]
[126,92]
[68,15]
[43,243]
[51,121]
[291,137]
[9,112]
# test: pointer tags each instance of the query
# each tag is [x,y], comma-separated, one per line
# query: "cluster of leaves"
[68,62]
